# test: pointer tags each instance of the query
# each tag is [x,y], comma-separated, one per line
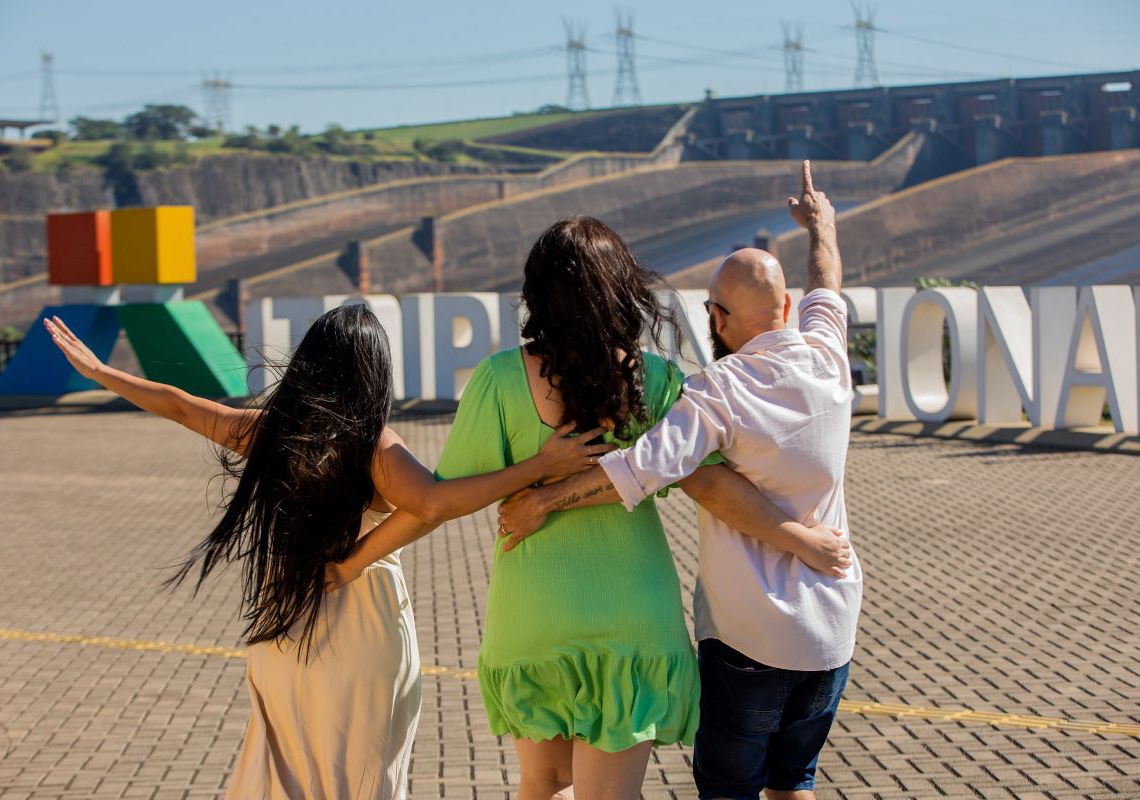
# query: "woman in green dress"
[586,660]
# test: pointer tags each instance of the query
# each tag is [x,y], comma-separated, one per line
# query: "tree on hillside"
[291,141]
[54,136]
[336,140]
[88,129]
[160,122]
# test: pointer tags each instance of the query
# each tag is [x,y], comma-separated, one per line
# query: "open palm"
[85,362]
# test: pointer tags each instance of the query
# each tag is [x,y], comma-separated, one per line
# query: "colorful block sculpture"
[176,343]
[153,245]
[79,249]
[181,344]
[39,368]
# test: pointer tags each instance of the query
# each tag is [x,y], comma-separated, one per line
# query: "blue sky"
[489,59]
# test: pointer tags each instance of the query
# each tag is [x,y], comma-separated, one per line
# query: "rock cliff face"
[34,193]
[227,185]
[218,186]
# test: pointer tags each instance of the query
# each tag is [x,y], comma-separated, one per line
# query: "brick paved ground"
[999,579]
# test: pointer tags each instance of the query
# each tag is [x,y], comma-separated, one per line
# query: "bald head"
[750,283]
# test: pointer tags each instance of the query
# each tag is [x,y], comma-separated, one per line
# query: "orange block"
[79,249]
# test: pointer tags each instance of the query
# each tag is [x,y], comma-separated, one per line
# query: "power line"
[626,91]
[49,106]
[750,52]
[866,73]
[577,95]
[371,87]
[980,51]
[793,57]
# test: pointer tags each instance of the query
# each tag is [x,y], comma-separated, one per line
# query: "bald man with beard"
[775,634]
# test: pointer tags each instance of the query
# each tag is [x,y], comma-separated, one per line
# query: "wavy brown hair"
[587,301]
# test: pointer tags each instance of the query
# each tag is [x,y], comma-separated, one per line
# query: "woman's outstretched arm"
[405,483]
[219,423]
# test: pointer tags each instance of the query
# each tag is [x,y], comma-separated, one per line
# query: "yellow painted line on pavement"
[894,710]
[120,644]
[175,647]
[900,711]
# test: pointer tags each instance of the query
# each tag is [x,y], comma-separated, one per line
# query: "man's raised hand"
[813,210]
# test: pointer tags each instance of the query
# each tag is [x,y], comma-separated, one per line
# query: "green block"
[183,345]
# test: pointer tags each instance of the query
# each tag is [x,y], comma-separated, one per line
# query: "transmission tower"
[793,57]
[577,96]
[626,91]
[216,100]
[49,106]
[866,74]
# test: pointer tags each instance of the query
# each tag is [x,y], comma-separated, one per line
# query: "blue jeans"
[761,727]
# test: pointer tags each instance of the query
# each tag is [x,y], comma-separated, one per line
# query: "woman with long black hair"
[333,668]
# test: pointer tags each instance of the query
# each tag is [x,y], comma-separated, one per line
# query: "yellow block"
[153,245]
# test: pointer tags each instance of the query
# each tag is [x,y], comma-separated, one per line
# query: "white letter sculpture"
[1005,365]
[1101,362]
[924,387]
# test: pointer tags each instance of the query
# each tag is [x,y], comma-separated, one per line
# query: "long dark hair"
[588,299]
[305,479]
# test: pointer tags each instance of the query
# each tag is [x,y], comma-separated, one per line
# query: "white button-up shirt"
[779,411]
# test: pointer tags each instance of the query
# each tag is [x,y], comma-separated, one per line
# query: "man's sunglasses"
[709,307]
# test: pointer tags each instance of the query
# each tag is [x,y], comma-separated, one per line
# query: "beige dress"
[341,724]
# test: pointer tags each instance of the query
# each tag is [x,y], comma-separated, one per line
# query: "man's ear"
[787,306]
[721,322]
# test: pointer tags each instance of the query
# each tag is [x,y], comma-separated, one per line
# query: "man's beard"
[719,348]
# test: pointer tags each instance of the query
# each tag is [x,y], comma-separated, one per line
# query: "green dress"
[585,631]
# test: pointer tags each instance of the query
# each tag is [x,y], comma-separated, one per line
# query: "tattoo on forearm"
[577,497]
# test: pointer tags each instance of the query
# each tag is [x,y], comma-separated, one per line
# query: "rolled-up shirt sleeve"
[823,313]
[699,423]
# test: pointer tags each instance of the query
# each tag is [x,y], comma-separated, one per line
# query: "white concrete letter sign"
[693,351]
[1101,362]
[1005,338]
[1060,358]
[466,330]
[924,387]
[387,310]
[1054,311]
[892,305]
[512,312]
[862,308]
[796,296]
[274,329]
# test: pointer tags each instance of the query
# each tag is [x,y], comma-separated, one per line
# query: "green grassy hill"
[446,141]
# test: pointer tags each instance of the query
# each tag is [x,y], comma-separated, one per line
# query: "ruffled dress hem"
[609,701]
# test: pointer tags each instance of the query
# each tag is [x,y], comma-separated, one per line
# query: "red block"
[79,249]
